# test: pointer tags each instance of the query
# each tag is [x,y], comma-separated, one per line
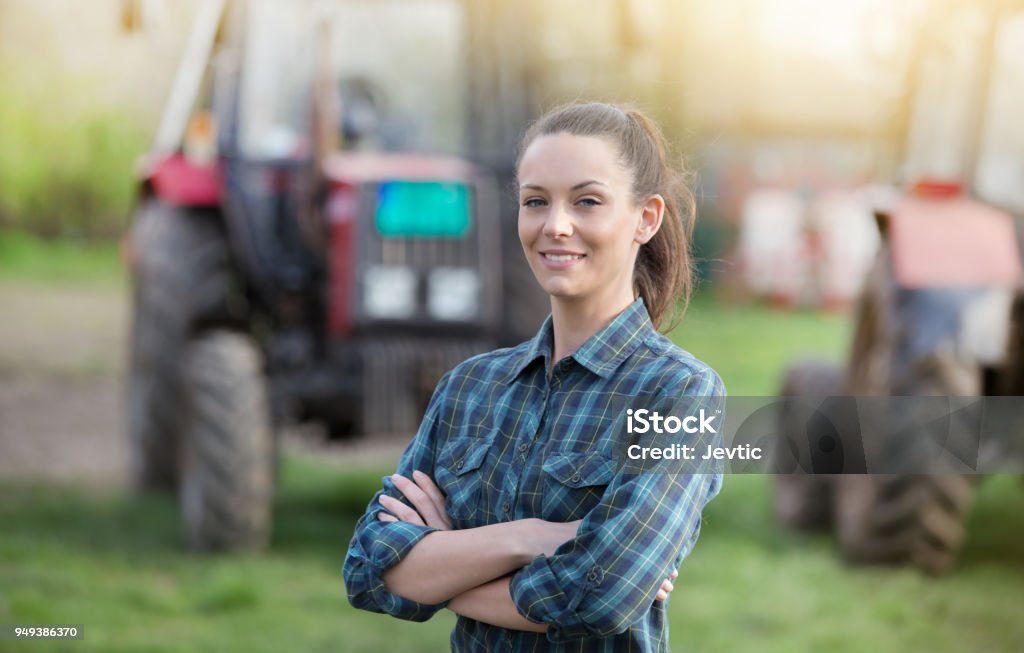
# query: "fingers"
[430,488]
[432,513]
[427,503]
[663,591]
[418,498]
[400,510]
[666,587]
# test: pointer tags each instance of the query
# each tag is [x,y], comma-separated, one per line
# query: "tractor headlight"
[453,294]
[389,292]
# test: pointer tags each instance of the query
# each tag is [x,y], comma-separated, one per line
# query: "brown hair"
[663,272]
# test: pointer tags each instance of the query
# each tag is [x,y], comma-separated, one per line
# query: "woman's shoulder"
[678,367]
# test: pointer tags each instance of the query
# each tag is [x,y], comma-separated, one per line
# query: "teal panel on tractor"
[423,209]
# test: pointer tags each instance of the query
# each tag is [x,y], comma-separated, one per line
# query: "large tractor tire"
[804,501]
[182,276]
[917,520]
[227,445]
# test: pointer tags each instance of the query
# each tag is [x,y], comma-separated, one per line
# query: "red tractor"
[278,278]
[942,312]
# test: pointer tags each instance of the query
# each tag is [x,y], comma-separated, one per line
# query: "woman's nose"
[558,223]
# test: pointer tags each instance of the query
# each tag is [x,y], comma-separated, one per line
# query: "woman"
[508,507]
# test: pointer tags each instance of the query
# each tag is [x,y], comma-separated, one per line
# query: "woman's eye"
[589,202]
[533,202]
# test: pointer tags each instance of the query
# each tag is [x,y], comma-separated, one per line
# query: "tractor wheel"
[917,520]
[911,519]
[182,276]
[227,446]
[804,501]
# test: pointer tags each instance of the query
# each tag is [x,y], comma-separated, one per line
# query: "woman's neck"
[575,320]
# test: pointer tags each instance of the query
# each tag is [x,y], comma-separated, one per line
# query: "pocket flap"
[577,469]
[464,455]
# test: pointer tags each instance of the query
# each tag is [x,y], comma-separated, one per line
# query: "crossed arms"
[405,560]
[470,568]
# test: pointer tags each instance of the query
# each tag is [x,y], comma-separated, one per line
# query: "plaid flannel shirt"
[505,442]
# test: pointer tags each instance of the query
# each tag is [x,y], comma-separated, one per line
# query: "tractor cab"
[279,276]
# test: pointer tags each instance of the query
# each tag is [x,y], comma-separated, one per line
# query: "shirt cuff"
[366,572]
[540,597]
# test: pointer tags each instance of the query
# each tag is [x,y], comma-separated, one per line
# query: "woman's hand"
[427,500]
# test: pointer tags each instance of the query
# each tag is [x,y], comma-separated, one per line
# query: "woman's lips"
[561,260]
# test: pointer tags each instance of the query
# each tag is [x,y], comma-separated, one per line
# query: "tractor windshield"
[277,83]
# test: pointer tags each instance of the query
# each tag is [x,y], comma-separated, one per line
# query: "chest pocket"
[460,476]
[575,483]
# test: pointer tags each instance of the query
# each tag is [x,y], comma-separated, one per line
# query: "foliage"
[65,169]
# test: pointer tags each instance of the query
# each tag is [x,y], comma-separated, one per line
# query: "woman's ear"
[651,213]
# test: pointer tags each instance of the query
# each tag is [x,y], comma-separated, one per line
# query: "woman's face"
[578,223]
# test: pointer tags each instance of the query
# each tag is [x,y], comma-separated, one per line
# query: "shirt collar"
[603,352]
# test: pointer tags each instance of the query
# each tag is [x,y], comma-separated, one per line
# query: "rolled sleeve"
[605,579]
[376,546]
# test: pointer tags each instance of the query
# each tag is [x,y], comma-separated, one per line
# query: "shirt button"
[458,463]
[523,447]
[576,477]
[506,507]
[591,575]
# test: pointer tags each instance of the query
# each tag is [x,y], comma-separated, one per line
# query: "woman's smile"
[560,259]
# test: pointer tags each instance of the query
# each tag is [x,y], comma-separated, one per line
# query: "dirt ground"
[63,351]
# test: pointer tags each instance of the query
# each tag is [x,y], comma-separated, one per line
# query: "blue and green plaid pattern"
[505,442]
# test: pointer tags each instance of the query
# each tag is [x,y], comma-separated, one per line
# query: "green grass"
[24,257]
[114,564]
[750,345]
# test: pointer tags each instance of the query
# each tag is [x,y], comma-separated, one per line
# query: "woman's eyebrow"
[576,187]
